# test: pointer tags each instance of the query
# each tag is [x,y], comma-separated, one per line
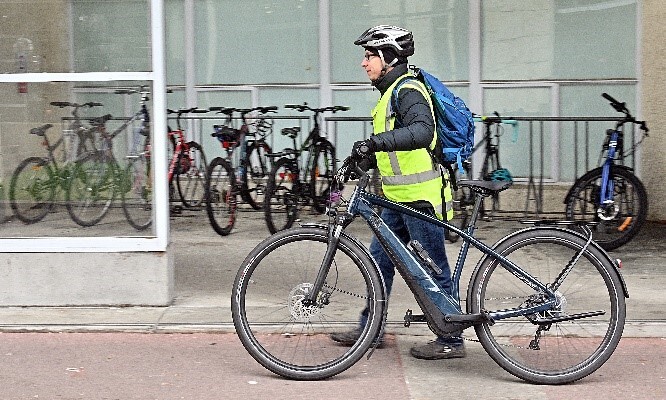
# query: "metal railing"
[541,166]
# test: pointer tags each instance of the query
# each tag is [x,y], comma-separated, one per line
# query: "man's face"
[372,64]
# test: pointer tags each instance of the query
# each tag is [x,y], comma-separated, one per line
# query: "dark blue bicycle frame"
[607,184]
[361,202]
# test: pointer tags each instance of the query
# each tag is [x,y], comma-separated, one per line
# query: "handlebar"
[63,104]
[621,107]
[305,107]
[243,111]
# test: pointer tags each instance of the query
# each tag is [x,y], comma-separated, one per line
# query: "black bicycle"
[249,177]
[547,303]
[293,185]
[611,195]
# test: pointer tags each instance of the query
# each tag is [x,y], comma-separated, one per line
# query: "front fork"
[608,209]
[334,232]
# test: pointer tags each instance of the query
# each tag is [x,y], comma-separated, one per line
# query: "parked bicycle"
[611,195]
[293,183]
[137,196]
[37,182]
[187,167]
[547,303]
[491,170]
[249,178]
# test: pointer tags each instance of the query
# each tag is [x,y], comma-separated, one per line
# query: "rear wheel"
[221,193]
[623,219]
[570,339]
[32,190]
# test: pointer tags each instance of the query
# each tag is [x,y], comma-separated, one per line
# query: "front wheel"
[137,193]
[630,206]
[280,329]
[190,176]
[283,195]
[91,189]
[221,193]
[256,168]
[572,338]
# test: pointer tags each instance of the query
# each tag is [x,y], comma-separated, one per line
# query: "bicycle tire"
[288,337]
[190,176]
[221,194]
[321,175]
[568,350]
[629,194]
[137,193]
[32,190]
[281,202]
[91,189]
[256,168]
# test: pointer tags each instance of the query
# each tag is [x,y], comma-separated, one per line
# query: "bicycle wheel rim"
[569,350]
[288,337]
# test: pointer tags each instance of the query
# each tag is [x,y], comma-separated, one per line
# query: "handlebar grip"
[60,104]
[609,97]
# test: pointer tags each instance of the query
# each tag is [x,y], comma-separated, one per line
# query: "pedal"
[409,318]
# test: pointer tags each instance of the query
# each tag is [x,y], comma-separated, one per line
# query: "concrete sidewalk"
[113,352]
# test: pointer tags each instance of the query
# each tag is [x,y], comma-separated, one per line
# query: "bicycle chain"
[335,289]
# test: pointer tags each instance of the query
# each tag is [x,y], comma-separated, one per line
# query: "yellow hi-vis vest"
[409,176]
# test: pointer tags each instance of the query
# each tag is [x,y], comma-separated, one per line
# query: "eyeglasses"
[368,56]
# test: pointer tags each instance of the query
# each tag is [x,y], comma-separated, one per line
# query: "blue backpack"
[454,121]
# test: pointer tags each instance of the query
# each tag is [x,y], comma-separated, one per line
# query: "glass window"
[515,146]
[582,141]
[439,27]
[239,42]
[174,39]
[54,137]
[562,39]
[108,36]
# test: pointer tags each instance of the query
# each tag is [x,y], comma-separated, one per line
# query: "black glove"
[363,149]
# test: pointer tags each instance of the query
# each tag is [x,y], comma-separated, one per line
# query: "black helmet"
[381,37]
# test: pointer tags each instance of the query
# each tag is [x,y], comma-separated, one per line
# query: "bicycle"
[611,195]
[491,169]
[547,303]
[36,181]
[137,195]
[187,167]
[293,185]
[249,178]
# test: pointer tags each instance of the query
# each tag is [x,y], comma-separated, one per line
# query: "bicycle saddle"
[485,188]
[291,132]
[41,130]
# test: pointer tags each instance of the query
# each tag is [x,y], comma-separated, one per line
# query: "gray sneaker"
[350,337]
[438,351]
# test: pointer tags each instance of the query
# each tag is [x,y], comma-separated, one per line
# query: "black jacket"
[414,123]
